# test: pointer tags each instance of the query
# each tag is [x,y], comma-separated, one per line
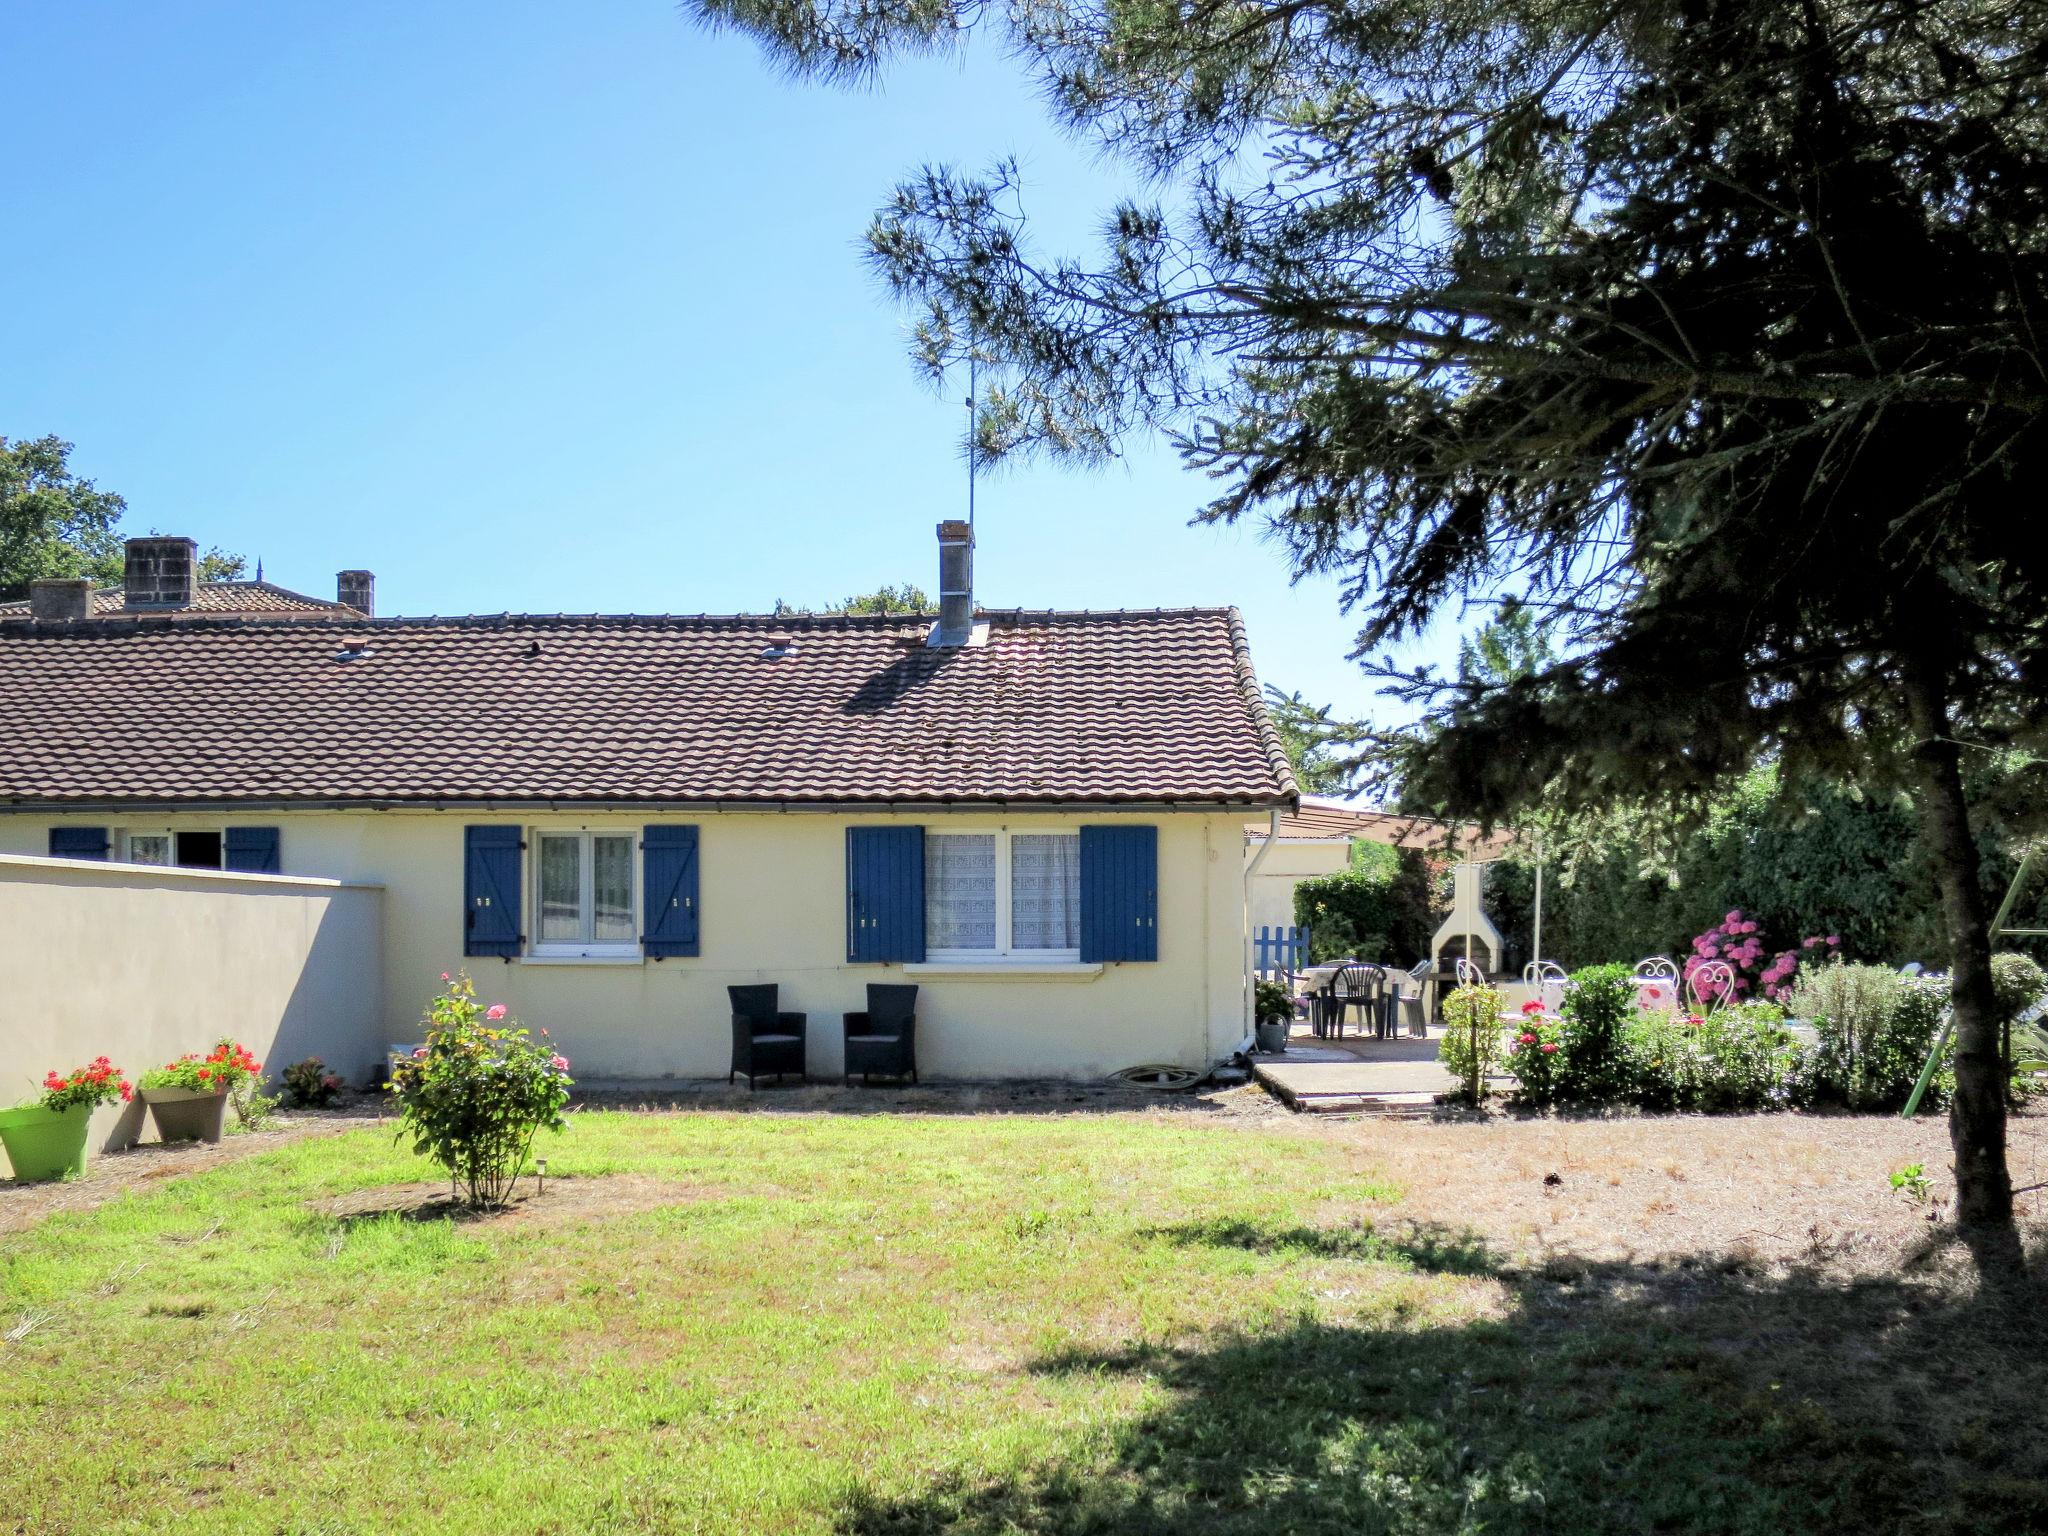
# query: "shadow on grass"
[1437,1250]
[1601,1398]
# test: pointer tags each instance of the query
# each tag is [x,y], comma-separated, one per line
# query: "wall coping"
[171,874]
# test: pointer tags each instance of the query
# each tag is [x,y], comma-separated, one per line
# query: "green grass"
[879,1324]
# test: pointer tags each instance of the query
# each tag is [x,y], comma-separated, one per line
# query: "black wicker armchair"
[883,1039]
[764,1041]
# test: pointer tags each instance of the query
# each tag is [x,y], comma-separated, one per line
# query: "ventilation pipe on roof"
[358,590]
[956,626]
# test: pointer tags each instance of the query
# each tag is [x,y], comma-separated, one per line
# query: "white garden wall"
[143,964]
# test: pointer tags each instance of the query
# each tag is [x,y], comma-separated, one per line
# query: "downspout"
[1245,913]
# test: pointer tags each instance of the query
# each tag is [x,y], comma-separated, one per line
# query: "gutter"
[24,806]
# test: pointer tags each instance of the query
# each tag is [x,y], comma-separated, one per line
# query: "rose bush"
[1535,1053]
[477,1093]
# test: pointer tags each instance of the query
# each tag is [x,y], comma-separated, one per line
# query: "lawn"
[1090,1322]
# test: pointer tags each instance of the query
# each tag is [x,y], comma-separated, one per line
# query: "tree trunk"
[1977,1116]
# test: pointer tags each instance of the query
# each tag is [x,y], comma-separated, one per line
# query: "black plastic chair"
[883,1039]
[1362,987]
[764,1041]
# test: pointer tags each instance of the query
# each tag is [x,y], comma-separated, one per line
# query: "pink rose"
[444,976]
[419,1053]
[1834,940]
[1528,1039]
[495,1011]
[559,1063]
[1549,1047]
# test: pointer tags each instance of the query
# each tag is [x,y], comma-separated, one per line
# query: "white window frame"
[583,949]
[1005,952]
[125,841]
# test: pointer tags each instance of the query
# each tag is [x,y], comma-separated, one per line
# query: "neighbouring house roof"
[1320,819]
[211,599]
[1124,707]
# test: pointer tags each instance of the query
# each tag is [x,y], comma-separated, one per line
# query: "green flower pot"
[45,1143]
[185,1115]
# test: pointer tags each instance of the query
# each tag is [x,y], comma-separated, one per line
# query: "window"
[149,848]
[199,850]
[583,894]
[1002,895]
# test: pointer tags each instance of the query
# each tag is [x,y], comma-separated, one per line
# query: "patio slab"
[1356,1074]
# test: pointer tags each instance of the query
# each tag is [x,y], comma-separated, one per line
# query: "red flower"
[1528,1039]
[1532,1007]
[1549,1047]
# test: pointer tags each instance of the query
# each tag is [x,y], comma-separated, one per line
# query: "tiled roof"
[211,599]
[1056,708]
[1319,819]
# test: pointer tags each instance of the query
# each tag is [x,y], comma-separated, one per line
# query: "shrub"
[98,1082]
[1471,1046]
[2018,984]
[1377,910]
[1536,1054]
[478,1092]
[1873,1028]
[1667,1062]
[1751,1057]
[223,1069]
[1736,942]
[1598,1004]
[309,1085]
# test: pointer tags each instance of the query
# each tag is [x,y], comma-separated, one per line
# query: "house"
[1036,816]
[160,580]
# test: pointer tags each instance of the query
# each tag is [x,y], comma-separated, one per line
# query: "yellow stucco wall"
[773,909]
[142,965]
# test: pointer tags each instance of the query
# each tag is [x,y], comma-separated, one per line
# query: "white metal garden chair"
[1656,982]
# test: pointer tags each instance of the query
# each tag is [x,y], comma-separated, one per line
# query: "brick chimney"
[358,589]
[956,585]
[161,572]
[59,599]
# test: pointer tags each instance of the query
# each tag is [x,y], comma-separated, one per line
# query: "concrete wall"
[774,909]
[1272,895]
[141,965]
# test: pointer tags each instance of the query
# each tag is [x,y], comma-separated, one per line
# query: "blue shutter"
[78,842]
[1119,893]
[490,891]
[884,894]
[668,885]
[251,850]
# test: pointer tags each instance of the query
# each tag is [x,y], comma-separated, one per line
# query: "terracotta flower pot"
[185,1114]
[45,1143]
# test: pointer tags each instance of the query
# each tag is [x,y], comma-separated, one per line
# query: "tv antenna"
[970,439]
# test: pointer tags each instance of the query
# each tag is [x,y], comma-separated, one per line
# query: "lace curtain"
[960,890]
[1045,890]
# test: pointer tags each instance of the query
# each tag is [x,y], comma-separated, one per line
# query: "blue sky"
[545,308]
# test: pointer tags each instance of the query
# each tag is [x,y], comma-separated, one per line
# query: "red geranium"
[98,1082]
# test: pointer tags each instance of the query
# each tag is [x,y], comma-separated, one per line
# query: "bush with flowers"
[1734,1058]
[1534,1053]
[1738,943]
[477,1093]
[226,1067]
[98,1082]
[1473,1037]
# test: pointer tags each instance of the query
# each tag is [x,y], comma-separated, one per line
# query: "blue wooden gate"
[1279,949]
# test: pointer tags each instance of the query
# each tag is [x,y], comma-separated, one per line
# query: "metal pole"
[1539,901]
